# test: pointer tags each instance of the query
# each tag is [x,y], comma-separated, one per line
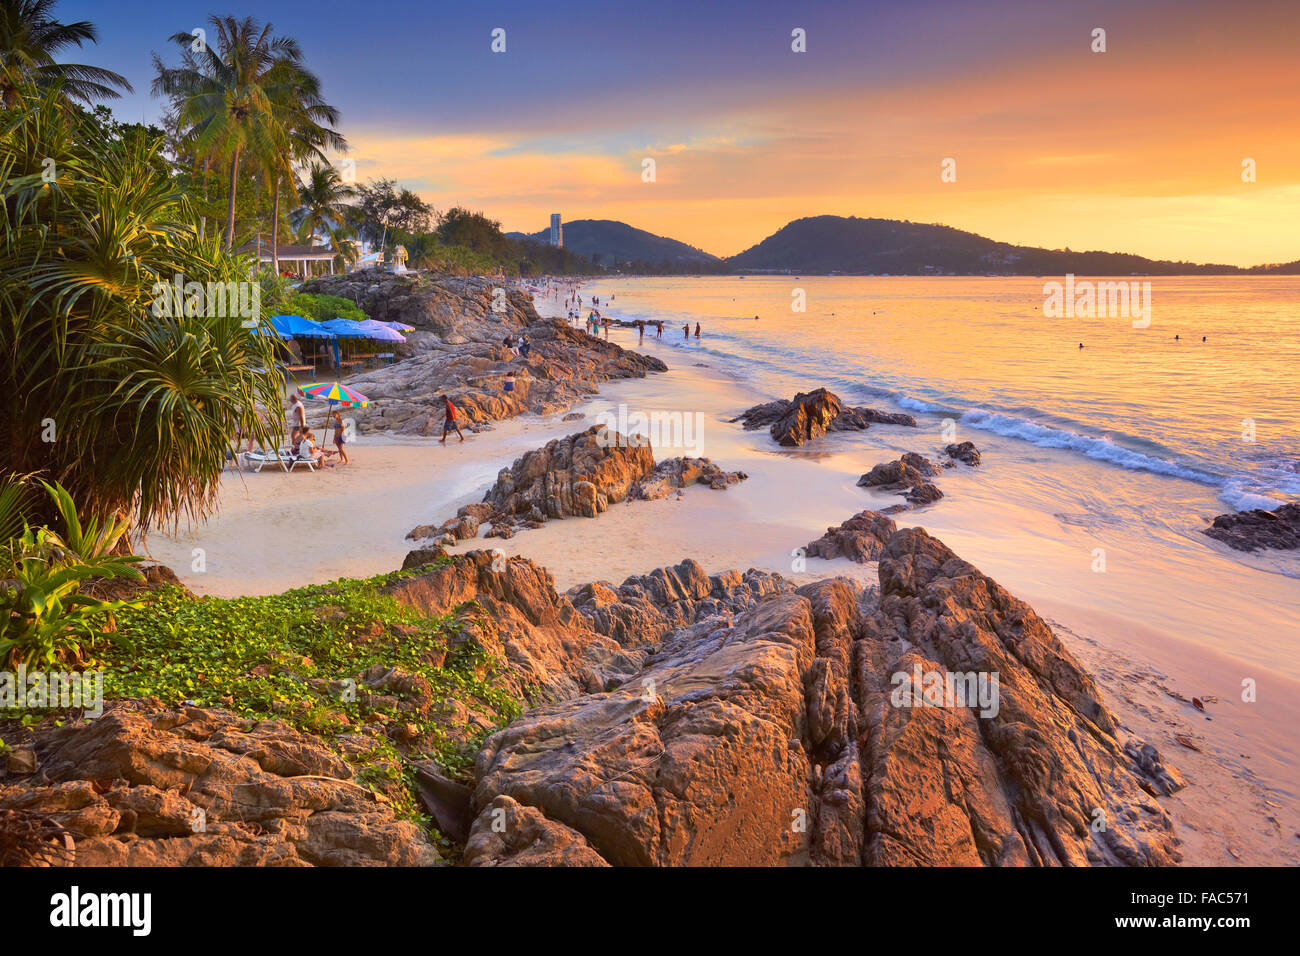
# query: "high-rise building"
[557,230]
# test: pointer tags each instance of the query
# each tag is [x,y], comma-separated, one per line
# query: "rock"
[423,556]
[905,473]
[965,452]
[811,415]
[675,473]
[145,785]
[763,725]
[580,475]
[923,494]
[1258,529]
[862,538]
[510,834]
[573,417]
[447,800]
[422,531]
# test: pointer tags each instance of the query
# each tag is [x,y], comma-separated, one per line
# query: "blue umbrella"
[345,329]
[381,331]
[295,326]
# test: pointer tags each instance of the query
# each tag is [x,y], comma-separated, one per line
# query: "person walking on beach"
[339,429]
[449,421]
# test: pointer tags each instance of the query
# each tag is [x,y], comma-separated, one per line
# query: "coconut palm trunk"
[230,202]
[275,231]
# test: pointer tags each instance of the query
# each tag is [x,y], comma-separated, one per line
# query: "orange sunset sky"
[1137,149]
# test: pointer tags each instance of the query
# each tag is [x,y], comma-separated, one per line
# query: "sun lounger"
[257,460]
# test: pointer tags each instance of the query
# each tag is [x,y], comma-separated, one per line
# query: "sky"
[1139,148]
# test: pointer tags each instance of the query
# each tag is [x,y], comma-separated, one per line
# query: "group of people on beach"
[302,440]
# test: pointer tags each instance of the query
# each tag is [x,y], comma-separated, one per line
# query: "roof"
[286,251]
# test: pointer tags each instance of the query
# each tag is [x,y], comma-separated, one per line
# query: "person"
[1175,338]
[1202,338]
[640,331]
[659,329]
[510,382]
[509,343]
[449,422]
[605,322]
[697,330]
[1080,345]
[524,345]
[307,448]
[339,429]
[297,415]
[686,331]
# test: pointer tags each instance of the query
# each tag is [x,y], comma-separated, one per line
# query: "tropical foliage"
[132,411]
[45,618]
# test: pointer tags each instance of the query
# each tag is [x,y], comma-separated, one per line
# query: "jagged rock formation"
[146,785]
[576,476]
[906,475]
[862,538]
[1257,529]
[965,452]
[732,719]
[457,350]
[811,415]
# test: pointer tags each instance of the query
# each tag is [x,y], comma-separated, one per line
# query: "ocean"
[1223,412]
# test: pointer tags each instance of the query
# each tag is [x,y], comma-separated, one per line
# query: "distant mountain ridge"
[855,246]
[607,243]
[821,244]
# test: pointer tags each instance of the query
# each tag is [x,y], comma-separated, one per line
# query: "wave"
[1103,449]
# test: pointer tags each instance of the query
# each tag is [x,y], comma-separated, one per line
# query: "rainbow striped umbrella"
[336,393]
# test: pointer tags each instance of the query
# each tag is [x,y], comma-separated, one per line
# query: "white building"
[557,230]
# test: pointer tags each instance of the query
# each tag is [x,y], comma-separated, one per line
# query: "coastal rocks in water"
[786,705]
[811,415]
[1257,529]
[965,452]
[579,475]
[676,473]
[923,494]
[902,474]
[145,785]
[862,538]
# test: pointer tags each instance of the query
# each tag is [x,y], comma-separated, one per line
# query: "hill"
[898,247]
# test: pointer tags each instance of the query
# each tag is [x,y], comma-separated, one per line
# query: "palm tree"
[305,130]
[326,209]
[30,38]
[226,94]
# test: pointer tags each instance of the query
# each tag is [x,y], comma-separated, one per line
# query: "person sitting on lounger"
[307,448]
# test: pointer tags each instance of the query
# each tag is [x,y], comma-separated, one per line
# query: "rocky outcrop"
[145,785]
[811,415]
[965,452]
[457,350]
[768,726]
[578,475]
[906,475]
[1258,529]
[675,474]
[862,538]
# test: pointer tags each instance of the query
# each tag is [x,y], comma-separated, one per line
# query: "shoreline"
[790,497]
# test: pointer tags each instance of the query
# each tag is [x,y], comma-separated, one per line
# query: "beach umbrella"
[381,331]
[336,393]
[396,326]
[345,328]
[295,326]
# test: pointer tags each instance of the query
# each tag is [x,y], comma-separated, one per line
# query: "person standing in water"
[697,330]
[686,331]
